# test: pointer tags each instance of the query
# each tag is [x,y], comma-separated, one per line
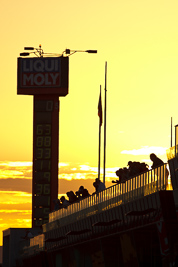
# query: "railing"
[32,245]
[37,240]
[139,186]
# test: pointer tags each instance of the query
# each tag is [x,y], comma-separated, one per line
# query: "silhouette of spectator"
[100,186]
[65,203]
[82,192]
[131,169]
[72,197]
[156,161]
[134,168]
[143,167]
[125,174]
[57,204]
[120,174]
[95,184]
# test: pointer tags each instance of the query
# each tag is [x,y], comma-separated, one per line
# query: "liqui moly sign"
[42,75]
[41,72]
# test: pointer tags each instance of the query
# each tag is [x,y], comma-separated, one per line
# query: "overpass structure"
[129,224]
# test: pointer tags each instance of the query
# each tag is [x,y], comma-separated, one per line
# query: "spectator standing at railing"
[95,186]
[57,204]
[72,197]
[156,161]
[120,174]
[65,202]
[144,167]
[123,175]
[82,192]
[99,186]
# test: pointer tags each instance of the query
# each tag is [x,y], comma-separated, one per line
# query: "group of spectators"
[78,195]
[136,168]
[72,198]
[124,174]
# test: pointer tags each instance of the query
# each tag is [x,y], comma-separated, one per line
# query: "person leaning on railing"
[135,168]
[157,162]
[123,174]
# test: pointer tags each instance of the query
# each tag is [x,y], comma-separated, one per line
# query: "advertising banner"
[43,75]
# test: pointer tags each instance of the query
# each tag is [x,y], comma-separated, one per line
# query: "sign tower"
[46,78]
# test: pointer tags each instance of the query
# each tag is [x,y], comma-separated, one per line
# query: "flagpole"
[99,151]
[104,164]
[100,122]
[171,131]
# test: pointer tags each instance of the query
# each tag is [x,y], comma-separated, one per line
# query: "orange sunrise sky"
[139,41]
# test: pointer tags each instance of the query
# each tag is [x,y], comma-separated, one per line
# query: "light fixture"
[39,52]
[70,52]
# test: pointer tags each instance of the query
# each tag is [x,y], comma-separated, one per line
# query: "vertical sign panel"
[46,78]
[45,157]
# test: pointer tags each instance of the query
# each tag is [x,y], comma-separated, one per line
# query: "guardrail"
[144,184]
[32,245]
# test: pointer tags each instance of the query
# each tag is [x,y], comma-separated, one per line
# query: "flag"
[100,109]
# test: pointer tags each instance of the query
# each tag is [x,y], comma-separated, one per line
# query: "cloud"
[15,200]
[9,184]
[14,175]
[146,150]
[18,187]
[16,211]
[16,163]
[16,169]
[78,171]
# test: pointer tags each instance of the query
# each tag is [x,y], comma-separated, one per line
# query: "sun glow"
[138,42]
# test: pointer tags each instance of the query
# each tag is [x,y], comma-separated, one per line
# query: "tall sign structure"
[46,78]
